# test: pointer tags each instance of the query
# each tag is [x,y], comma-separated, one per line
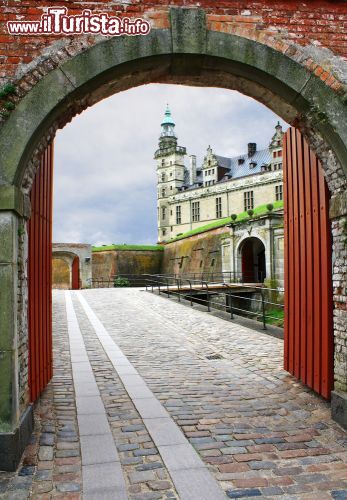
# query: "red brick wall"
[279,24]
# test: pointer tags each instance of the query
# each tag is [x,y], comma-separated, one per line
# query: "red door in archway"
[40,277]
[308,341]
[247,262]
[75,280]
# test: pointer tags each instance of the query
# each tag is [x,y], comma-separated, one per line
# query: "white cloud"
[104,169]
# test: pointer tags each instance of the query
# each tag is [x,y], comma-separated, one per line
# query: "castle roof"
[244,165]
[237,166]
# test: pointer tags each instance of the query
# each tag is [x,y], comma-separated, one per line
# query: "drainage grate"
[214,356]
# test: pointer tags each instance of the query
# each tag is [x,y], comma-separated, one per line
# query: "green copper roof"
[168,118]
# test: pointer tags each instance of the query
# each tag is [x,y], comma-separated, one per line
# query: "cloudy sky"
[105,177]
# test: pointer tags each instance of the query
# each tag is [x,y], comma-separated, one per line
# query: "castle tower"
[275,147]
[170,174]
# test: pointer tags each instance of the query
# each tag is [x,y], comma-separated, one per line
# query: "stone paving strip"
[190,475]
[261,432]
[101,469]
[146,475]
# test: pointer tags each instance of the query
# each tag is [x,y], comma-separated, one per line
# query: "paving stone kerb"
[191,47]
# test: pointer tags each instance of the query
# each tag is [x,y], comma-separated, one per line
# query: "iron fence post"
[191,293]
[178,289]
[231,305]
[263,309]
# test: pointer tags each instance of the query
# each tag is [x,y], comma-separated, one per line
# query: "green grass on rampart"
[242,217]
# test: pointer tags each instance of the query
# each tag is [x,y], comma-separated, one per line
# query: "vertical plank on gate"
[301,271]
[290,287]
[286,251]
[327,347]
[44,265]
[317,275]
[36,285]
[297,250]
[50,219]
[41,270]
[309,266]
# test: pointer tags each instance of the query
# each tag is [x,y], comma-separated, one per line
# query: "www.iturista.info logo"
[57,22]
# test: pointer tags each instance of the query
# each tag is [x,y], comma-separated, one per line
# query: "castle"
[192,196]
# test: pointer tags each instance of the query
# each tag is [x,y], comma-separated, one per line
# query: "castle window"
[163,192]
[164,232]
[196,211]
[279,153]
[178,215]
[170,188]
[163,212]
[212,262]
[163,177]
[162,162]
[279,192]
[218,208]
[248,200]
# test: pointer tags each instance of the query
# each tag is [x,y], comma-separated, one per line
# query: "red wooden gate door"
[75,279]
[40,277]
[308,335]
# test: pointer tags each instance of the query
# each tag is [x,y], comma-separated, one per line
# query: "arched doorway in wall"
[171,56]
[253,263]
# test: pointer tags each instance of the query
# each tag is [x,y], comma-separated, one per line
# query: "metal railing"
[233,293]
[118,280]
[121,279]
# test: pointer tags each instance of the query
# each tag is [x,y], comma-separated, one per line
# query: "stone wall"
[60,273]
[339,232]
[110,262]
[200,253]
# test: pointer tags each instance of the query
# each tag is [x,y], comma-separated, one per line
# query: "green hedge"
[127,247]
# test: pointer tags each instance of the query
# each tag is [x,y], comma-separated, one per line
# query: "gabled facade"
[190,196]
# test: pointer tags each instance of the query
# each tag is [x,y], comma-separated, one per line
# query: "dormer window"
[252,164]
[240,161]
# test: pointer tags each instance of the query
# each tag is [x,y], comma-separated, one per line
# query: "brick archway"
[188,46]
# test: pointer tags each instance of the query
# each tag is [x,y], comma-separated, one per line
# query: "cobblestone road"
[256,430]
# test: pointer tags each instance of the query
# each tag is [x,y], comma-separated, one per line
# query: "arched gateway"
[185,46]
